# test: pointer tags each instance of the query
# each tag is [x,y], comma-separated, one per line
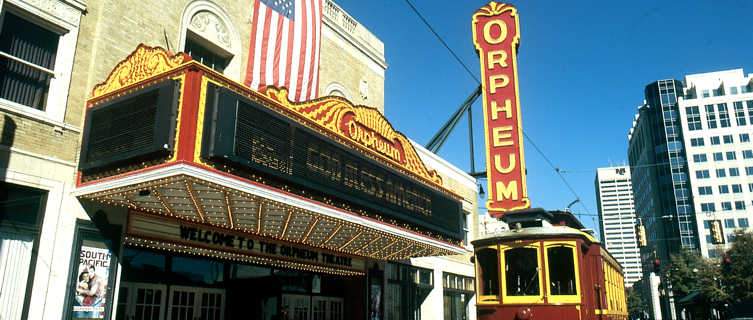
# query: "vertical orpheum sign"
[496,36]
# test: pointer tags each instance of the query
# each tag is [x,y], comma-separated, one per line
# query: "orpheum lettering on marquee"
[496,37]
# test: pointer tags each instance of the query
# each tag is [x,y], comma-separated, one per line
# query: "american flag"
[284,51]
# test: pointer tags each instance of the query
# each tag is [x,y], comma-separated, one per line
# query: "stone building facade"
[45,232]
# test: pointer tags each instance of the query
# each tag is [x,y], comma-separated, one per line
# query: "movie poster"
[90,294]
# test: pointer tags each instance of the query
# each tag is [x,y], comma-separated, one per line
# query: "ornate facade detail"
[494,9]
[211,25]
[361,125]
[58,9]
[142,63]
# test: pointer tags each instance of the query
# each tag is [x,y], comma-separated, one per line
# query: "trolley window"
[561,270]
[488,273]
[522,272]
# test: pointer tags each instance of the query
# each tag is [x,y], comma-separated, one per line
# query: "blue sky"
[582,69]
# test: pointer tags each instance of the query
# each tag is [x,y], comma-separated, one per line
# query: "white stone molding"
[212,23]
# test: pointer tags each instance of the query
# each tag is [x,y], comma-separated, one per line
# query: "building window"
[202,54]
[737,188]
[407,288]
[704,191]
[744,137]
[699,157]
[715,140]
[719,91]
[749,103]
[729,223]
[208,34]
[743,222]
[710,116]
[723,115]
[740,205]
[21,211]
[739,113]
[694,118]
[458,291]
[708,207]
[731,155]
[705,93]
[747,154]
[702,174]
[727,206]
[749,171]
[718,156]
[727,139]
[27,61]
[733,90]
[696,142]
[734,172]
[721,173]
[723,189]
[707,224]
[750,187]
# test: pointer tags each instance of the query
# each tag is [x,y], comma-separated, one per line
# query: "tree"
[634,302]
[689,272]
[737,268]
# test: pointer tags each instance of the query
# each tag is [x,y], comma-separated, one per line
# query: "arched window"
[337,89]
[208,34]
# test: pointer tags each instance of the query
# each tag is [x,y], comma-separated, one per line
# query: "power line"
[442,41]
[420,16]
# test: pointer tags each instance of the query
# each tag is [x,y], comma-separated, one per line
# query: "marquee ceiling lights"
[193,194]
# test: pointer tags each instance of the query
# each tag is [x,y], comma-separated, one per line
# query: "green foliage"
[634,301]
[689,272]
[737,274]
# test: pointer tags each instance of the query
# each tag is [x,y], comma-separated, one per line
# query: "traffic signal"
[657,264]
[717,236]
[640,233]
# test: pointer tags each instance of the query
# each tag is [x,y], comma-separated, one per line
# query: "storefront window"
[488,272]
[458,291]
[407,287]
[20,212]
[522,272]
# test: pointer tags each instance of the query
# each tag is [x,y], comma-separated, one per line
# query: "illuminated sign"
[213,238]
[244,134]
[130,128]
[496,37]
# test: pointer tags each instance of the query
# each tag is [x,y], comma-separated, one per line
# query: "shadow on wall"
[6,139]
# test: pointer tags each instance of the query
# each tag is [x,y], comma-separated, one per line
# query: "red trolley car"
[546,267]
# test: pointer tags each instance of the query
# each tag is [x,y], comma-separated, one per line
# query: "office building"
[716,114]
[692,163]
[614,200]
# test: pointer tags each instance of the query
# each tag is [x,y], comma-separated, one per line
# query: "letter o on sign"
[502,31]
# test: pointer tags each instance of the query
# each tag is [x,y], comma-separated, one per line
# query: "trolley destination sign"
[496,37]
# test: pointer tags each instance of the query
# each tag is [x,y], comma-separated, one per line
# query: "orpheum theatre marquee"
[210,167]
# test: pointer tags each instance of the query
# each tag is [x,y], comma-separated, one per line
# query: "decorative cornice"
[364,126]
[494,9]
[142,63]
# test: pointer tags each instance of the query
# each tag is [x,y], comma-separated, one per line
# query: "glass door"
[327,308]
[296,307]
[193,303]
[141,301]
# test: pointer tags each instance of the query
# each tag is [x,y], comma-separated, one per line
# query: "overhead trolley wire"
[420,16]
[452,52]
